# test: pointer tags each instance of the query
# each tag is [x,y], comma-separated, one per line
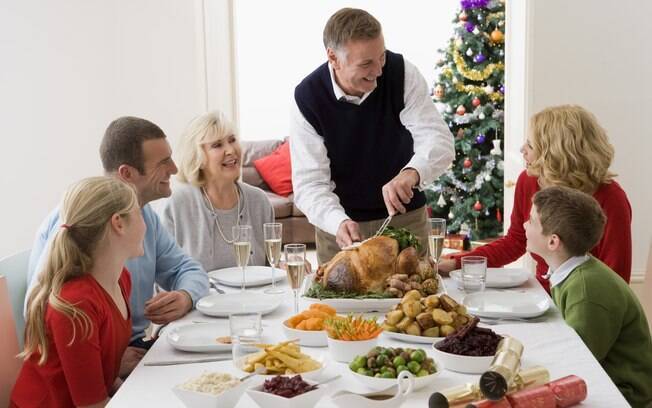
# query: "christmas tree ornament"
[497,36]
[449,109]
[469,27]
[486,212]
[476,101]
[500,166]
[496,149]
[477,206]
[476,31]
[499,216]
[480,138]
[453,199]
[439,92]
[441,202]
[479,17]
[460,133]
[501,89]
[489,89]
[467,163]
[459,42]
[479,58]
[463,16]
[461,110]
[451,215]
[469,52]
[481,116]
[487,177]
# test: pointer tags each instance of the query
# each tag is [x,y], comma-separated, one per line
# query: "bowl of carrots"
[351,336]
[308,326]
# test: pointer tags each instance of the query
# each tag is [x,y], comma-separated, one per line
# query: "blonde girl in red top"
[78,319]
[566,146]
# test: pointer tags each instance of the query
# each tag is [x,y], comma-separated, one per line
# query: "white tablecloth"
[551,344]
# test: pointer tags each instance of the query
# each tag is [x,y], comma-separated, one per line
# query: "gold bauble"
[497,36]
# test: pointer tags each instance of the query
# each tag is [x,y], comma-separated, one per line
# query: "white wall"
[280,42]
[596,56]
[68,69]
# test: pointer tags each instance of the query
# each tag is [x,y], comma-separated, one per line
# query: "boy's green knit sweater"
[604,311]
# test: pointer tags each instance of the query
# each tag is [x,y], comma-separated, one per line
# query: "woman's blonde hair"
[570,149]
[86,211]
[207,128]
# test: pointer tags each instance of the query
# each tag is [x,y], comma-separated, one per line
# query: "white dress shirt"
[313,187]
[560,274]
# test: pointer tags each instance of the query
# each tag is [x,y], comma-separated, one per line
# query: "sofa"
[296,228]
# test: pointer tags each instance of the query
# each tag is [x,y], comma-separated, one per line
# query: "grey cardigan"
[191,222]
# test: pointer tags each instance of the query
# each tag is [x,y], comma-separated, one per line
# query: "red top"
[614,249]
[83,372]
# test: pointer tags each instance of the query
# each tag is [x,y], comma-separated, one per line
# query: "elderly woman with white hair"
[202,210]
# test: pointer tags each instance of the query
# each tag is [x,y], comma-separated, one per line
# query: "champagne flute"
[242,246]
[273,233]
[436,239]
[295,257]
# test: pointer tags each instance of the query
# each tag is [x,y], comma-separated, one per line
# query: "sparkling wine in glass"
[273,233]
[436,239]
[242,245]
[295,257]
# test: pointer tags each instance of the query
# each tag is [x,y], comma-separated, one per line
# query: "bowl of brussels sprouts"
[379,368]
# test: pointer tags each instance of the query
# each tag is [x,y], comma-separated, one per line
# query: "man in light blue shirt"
[136,151]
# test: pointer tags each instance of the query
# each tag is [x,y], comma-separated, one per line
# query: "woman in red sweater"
[566,147]
[78,320]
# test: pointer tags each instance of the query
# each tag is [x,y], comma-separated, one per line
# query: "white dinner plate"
[409,338]
[223,305]
[506,304]
[499,277]
[200,337]
[344,305]
[254,276]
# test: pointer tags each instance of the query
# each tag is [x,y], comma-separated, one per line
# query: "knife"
[178,362]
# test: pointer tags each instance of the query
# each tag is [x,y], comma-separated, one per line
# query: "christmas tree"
[469,93]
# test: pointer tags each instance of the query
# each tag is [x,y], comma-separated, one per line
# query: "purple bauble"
[479,58]
[480,138]
[469,27]
[501,89]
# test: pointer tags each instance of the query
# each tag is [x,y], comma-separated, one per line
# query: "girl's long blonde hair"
[570,149]
[87,208]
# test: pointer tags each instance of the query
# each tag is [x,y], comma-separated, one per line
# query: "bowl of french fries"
[284,358]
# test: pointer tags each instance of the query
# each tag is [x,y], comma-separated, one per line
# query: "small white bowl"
[196,399]
[316,338]
[345,351]
[463,364]
[305,400]
[376,383]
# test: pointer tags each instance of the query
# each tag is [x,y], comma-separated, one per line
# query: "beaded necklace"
[214,213]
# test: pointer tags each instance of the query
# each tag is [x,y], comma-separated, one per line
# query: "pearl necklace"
[214,213]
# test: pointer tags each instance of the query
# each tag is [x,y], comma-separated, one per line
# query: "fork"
[384,225]
[212,282]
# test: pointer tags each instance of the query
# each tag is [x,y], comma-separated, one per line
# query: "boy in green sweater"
[564,225]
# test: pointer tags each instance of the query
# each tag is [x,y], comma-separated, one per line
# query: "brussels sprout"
[398,362]
[414,367]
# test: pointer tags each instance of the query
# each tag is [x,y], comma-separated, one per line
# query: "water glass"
[474,273]
[295,258]
[246,330]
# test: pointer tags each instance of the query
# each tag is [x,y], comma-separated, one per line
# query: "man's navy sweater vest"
[367,144]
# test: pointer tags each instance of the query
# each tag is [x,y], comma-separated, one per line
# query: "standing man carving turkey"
[365,137]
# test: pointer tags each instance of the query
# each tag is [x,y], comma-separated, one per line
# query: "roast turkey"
[365,268]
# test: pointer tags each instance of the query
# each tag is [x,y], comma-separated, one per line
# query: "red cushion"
[276,170]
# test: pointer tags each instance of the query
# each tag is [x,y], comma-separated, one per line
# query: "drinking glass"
[295,258]
[436,236]
[245,330]
[242,245]
[273,233]
[474,273]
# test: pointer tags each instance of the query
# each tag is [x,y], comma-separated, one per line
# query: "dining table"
[548,341]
